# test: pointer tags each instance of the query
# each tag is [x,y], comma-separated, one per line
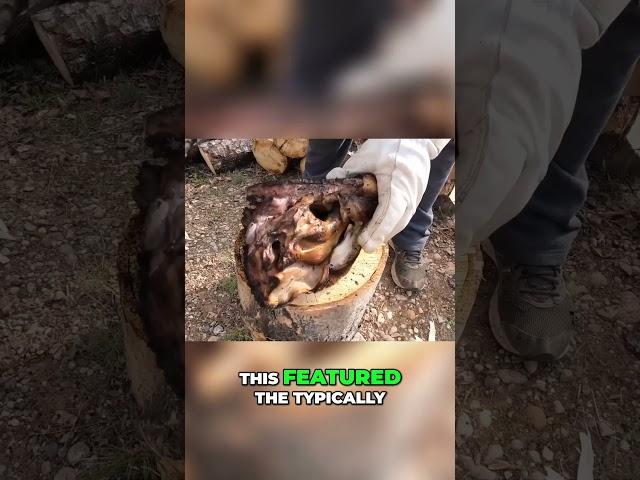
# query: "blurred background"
[410,437]
[310,68]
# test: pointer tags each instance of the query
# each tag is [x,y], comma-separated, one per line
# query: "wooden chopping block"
[330,314]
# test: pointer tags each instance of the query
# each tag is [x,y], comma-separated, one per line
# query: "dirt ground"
[69,158]
[214,205]
[520,419]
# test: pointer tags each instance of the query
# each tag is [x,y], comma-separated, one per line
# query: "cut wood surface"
[276,154]
[332,313]
[222,155]
[91,37]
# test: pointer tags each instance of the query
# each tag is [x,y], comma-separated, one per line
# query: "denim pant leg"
[543,233]
[329,36]
[324,155]
[416,234]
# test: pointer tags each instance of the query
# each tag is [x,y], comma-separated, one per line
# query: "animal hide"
[296,232]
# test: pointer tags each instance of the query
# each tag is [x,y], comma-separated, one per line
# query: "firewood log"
[276,154]
[91,38]
[222,155]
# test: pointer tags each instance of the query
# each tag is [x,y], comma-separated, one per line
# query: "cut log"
[333,313]
[222,155]
[276,154]
[88,39]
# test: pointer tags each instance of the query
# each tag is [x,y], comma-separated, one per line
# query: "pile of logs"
[276,155]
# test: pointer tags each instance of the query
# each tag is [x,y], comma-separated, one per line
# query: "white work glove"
[520,65]
[401,168]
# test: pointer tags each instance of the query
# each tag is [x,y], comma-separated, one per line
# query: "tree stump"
[148,384]
[330,314]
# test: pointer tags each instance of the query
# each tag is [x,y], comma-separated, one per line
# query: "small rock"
[14,422]
[566,375]
[218,330]
[547,454]
[411,315]
[464,427]
[536,417]
[534,456]
[99,212]
[478,472]
[517,444]
[65,473]
[358,337]
[484,417]
[494,452]
[557,407]
[29,227]
[531,366]
[45,468]
[69,255]
[626,268]
[537,475]
[624,445]
[597,279]
[77,452]
[606,430]
[629,308]
[512,376]
[4,259]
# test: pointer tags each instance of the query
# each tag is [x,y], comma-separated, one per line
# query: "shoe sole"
[494,318]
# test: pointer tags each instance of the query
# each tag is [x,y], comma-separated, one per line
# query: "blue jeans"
[325,155]
[543,233]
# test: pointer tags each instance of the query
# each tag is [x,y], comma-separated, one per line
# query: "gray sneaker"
[530,310]
[409,269]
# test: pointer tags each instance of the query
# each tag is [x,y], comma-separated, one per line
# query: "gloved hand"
[401,168]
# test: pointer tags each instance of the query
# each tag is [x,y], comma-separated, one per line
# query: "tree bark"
[88,39]
[228,154]
[333,313]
